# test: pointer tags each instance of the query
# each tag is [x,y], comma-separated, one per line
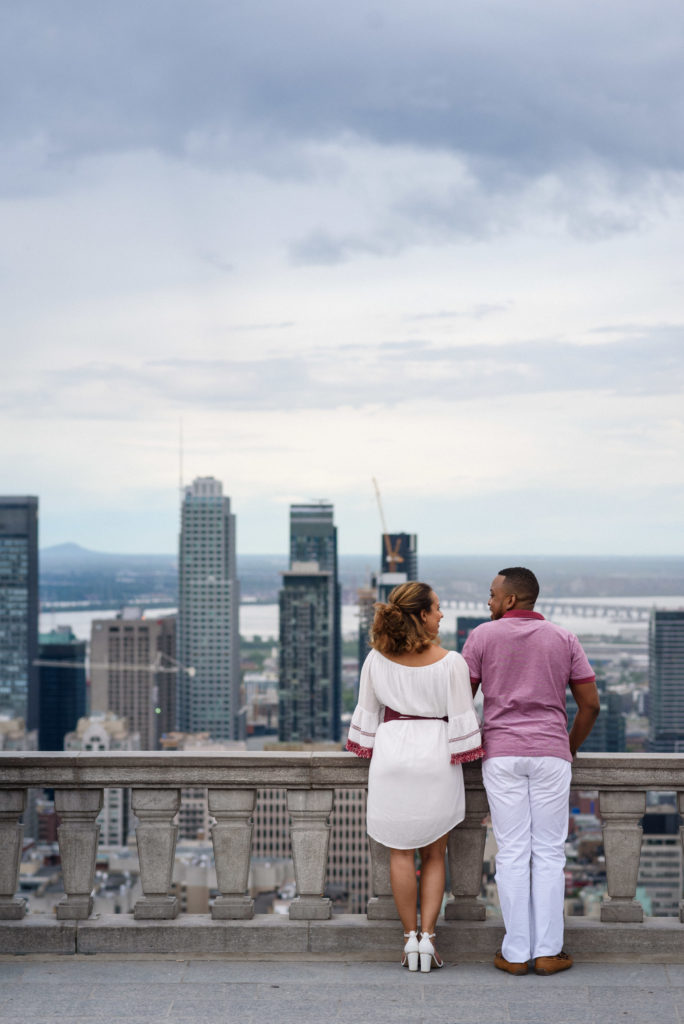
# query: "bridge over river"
[559,608]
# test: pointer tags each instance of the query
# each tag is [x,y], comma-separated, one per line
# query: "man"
[524,664]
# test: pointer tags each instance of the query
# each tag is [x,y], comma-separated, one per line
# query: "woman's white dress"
[415,779]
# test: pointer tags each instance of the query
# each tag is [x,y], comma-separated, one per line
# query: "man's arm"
[588,706]
[472,656]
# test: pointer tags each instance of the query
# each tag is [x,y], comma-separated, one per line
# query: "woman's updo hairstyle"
[397,627]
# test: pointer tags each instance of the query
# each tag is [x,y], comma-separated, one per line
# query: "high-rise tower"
[608,735]
[399,553]
[311,629]
[666,681]
[313,536]
[465,624]
[398,562]
[19,685]
[133,671]
[208,610]
[62,674]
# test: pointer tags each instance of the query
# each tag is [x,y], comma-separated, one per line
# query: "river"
[262,619]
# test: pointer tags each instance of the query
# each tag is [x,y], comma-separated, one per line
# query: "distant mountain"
[71,574]
[74,558]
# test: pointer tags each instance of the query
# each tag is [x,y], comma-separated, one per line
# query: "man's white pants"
[528,799]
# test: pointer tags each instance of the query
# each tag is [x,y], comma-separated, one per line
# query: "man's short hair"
[521,582]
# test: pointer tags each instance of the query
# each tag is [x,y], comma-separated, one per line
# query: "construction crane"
[391,553]
[127,666]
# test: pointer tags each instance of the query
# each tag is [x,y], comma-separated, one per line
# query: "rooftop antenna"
[180,455]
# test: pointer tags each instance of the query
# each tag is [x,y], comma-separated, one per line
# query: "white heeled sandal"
[411,947]
[428,956]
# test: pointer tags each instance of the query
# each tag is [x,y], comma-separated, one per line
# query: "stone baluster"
[465,852]
[621,812]
[232,839]
[78,836]
[156,834]
[310,811]
[381,905]
[12,804]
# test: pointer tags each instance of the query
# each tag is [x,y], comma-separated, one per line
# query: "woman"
[415,719]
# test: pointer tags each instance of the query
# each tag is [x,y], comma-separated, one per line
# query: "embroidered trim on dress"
[354,748]
[469,755]
[466,736]
[360,730]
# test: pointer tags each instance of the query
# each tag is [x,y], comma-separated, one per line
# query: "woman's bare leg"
[404,887]
[432,878]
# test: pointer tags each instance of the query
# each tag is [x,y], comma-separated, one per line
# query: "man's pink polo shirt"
[524,664]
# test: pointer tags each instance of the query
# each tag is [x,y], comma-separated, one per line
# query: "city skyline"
[436,244]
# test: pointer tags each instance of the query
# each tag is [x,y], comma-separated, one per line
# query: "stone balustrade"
[310,780]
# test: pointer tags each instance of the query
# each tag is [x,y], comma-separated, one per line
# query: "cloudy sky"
[432,241]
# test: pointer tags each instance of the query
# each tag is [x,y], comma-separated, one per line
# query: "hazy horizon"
[375,555]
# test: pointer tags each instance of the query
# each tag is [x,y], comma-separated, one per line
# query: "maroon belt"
[391,716]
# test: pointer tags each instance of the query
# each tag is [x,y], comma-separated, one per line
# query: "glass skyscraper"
[62,685]
[666,681]
[311,629]
[208,688]
[19,685]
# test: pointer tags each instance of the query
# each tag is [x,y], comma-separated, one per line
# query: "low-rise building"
[106,731]
[660,867]
[193,816]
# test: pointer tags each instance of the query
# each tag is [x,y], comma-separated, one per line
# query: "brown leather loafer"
[507,965]
[552,964]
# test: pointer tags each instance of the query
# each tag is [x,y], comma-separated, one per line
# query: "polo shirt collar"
[521,613]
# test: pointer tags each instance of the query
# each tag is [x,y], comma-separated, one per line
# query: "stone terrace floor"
[146,989]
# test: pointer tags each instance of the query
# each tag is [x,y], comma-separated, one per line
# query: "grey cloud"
[409,347]
[639,331]
[410,220]
[586,201]
[283,325]
[589,204]
[477,312]
[518,88]
[652,363]
[469,214]
[321,248]
[276,325]
[218,263]
[274,383]
[647,364]
[68,394]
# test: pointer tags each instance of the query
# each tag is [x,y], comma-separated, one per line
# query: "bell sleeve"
[366,717]
[465,741]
